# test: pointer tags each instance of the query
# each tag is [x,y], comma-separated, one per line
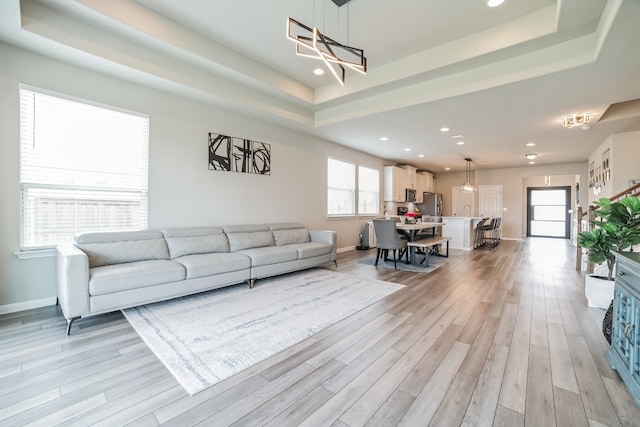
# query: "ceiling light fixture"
[311,43]
[384,138]
[467,185]
[576,120]
[460,142]
[318,71]
[444,129]
[494,3]
[531,156]
[530,144]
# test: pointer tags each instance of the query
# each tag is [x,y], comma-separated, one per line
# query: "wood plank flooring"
[497,337]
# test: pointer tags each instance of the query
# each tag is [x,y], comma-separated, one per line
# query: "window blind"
[83,167]
[341,185]
[368,191]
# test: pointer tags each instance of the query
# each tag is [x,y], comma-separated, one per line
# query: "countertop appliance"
[431,204]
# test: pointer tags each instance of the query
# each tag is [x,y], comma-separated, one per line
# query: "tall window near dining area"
[346,190]
[341,188]
[83,166]
[368,191]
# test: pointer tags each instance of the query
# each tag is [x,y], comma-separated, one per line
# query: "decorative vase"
[607,323]
[599,291]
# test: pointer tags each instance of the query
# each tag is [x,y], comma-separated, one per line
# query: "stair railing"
[634,190]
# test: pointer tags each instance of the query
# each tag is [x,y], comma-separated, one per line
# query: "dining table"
[411,230]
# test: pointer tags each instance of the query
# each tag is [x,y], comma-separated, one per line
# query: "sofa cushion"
[195,240]
[121,277]
[290,236]
[202,265]
[311,249]
[256,239]
[270,255]
[107,248]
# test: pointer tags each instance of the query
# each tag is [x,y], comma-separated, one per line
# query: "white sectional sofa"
[108,271]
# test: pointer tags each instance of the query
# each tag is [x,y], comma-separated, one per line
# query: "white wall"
[514,194]
[182,191]
[624,152]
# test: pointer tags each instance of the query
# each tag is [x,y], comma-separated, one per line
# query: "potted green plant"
[616,228]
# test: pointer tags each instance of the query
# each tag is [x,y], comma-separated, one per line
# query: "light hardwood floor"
[495,337]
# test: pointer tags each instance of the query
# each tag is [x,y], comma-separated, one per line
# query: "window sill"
[36,253]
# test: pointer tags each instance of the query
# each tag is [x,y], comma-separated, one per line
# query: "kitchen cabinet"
[411,176]
[624,353]
[421,184]
[427,179]
[424,183]
[395,184]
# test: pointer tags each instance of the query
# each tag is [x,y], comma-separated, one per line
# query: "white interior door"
[490,201]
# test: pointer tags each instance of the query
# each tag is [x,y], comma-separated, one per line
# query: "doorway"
[548,212]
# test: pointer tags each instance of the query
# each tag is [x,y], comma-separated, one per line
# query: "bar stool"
[481,227]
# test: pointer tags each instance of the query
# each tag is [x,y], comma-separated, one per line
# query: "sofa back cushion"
[119,247]
[184,241]
[289,233]
[248,236]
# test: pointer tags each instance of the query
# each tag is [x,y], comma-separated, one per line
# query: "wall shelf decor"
[231,154]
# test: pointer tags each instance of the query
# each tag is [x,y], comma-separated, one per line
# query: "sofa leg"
[252,283]
[69,323]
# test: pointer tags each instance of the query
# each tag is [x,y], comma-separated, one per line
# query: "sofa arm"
[326,236]
[72,280]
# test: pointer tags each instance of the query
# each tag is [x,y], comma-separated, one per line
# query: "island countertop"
[462,217]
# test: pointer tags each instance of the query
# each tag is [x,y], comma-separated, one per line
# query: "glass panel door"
[548,212]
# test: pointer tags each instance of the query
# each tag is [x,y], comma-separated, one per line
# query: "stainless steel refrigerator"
[431,204]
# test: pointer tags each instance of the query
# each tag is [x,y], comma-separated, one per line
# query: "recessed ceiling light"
[531,156]
[494,3]
[318,71]
[384,138]
[457,136]
[407,149]
[421,155]
[530,144]
[444,129]
[447,169]
[460,142]
[532,162]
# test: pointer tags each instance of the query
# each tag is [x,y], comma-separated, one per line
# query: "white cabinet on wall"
[411,176]
[395,184]
[424,183]
[429,185]
[421,184]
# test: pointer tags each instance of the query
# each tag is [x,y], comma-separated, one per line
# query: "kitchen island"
[461,229]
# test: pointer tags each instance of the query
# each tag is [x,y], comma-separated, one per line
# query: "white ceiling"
[501,76]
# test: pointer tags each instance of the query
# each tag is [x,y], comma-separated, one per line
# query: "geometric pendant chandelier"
[311,43]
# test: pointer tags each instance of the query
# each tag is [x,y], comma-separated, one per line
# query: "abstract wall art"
[228,153]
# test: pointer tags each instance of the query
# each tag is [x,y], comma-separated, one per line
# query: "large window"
[368,191]
[82,167]
[341,189]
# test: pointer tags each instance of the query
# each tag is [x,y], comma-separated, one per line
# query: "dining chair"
[388,240]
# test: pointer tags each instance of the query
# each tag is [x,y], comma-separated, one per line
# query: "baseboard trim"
[346,249]
[27,305]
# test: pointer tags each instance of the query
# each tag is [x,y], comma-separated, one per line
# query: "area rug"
[205,338]
[434,263]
